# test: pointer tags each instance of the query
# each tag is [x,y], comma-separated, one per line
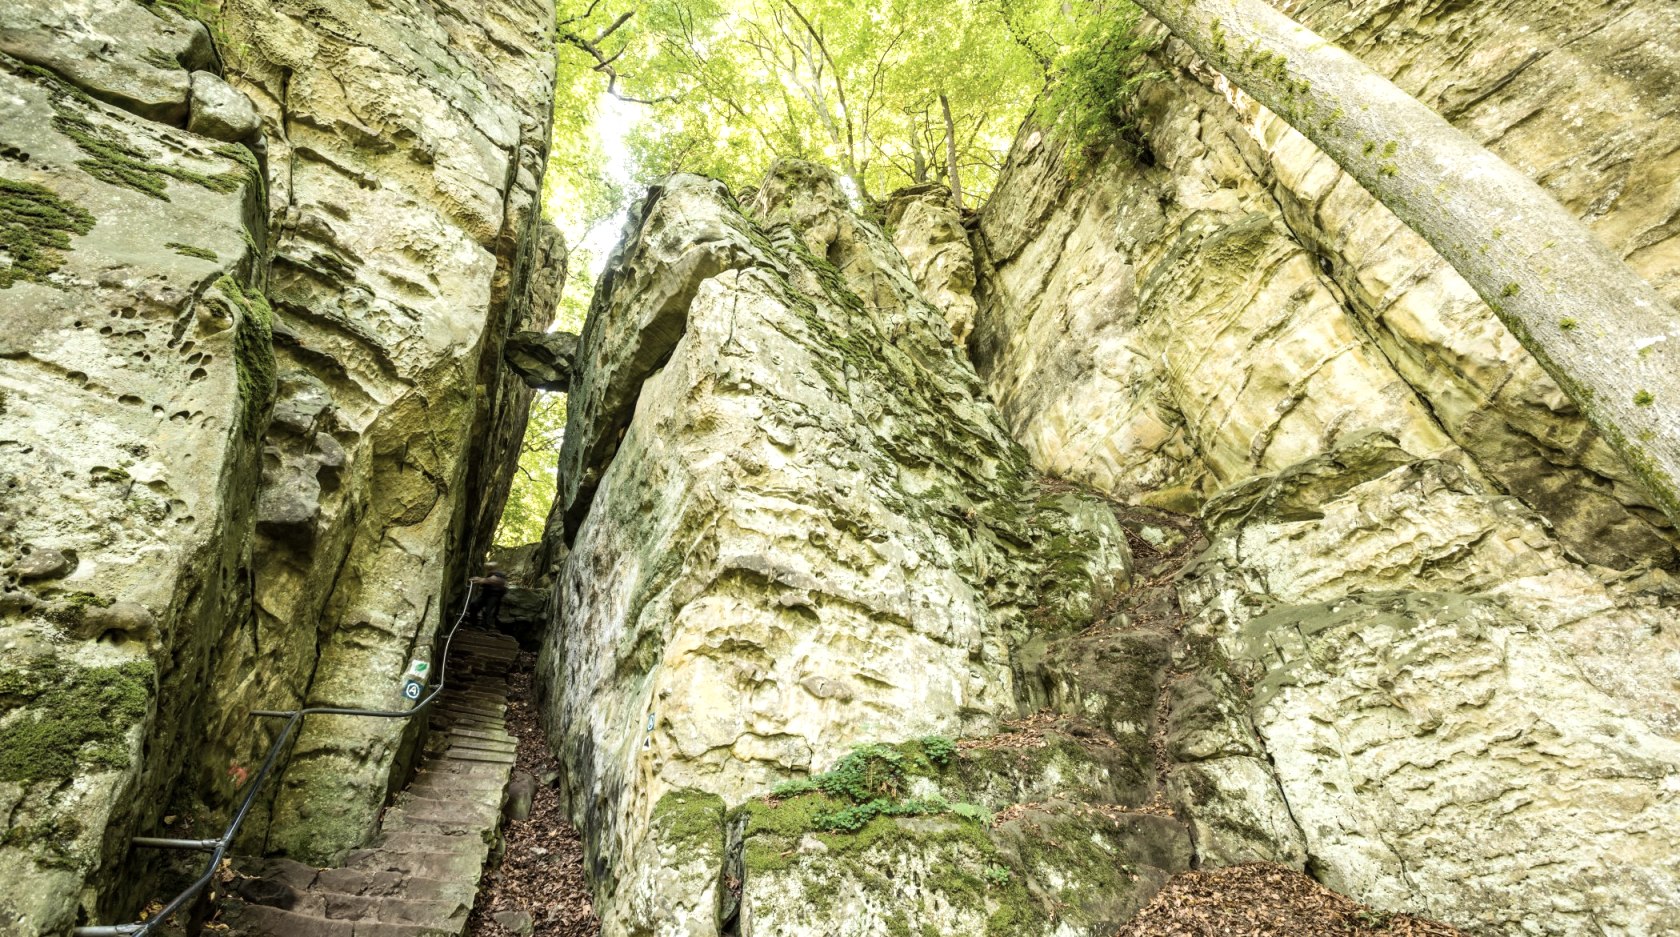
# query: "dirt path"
[540,880]
[1260,900]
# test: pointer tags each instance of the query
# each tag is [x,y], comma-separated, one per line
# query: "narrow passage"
[539,890]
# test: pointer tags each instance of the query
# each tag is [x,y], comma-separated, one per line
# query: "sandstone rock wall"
[797,529]
[1430,591]
[255,278]
[388,342]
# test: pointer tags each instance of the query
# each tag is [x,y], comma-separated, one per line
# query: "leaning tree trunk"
[1599,329]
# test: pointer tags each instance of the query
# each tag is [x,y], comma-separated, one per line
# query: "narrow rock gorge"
[913,568]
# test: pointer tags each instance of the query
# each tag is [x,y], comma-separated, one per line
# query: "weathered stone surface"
[543,360]
[1406,607]
[1086,284]
[135,371]
[136,384]
[798,525]
[929,232]
[220,112]
[406,145]
[135,55]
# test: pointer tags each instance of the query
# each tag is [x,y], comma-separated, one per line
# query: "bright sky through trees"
[889,93]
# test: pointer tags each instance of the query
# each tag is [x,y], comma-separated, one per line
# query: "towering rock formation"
[1433,591]
[798,530]
[255,276]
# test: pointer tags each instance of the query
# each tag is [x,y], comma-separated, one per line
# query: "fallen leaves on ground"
[1264,900]
[542,866]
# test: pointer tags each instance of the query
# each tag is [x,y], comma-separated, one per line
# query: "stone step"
[469,743]
[418,862]
[408,823]
[448,916]
[480,806]
[386,884]
[472,710]
[484,734]
[479,770]
[248,920]
[472,724]
[457,844]
[469,754]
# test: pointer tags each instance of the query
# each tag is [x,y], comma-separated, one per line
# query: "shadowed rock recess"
[1178,526]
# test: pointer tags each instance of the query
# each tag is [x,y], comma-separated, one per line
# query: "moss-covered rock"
[35,229]
[916,864]
[62,717]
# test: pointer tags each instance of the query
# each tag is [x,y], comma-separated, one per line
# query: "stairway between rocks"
[420,874]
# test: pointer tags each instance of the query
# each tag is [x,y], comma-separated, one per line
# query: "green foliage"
[730,85]
[997,875]
[536,478]
[35,227]
[939,749]
[857,816]
[867,773]
[1096,76]
[870,782]
[74,716]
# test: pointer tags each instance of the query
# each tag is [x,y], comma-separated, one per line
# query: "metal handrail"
[218,847]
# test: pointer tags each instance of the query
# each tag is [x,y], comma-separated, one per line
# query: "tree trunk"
[1602,332]
[951,151]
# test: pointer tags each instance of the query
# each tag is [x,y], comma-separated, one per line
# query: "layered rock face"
[800,537]
[1434,602]
[394,408]
[255,290]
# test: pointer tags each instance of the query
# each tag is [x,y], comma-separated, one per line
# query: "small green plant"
[1568,323]
[997,875]
[871,782]
[939,749]
[1511,289]
[1643,399]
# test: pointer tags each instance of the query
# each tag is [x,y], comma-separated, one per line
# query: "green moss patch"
[253,351]
[187,250]
[112,159]
[35,229]
[70,608]
[691,820]
[65,717]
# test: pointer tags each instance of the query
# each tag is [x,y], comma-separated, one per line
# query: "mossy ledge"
[114,160]
[65,717]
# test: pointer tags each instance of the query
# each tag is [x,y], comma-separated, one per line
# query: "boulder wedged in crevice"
[543,360]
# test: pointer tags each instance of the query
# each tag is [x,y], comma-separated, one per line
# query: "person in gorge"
[487,596]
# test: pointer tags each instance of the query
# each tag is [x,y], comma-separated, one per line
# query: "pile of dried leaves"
[541,874]
[1263,900]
